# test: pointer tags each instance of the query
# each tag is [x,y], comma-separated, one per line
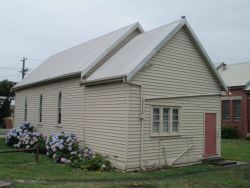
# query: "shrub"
[62,147]
[228,133]
[96,162]
[24,137]
[16,133]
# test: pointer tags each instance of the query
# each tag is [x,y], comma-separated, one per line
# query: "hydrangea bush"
[62,147]
[24,137]
[16,133]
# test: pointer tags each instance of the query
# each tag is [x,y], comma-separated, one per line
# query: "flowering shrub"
[62,147]
[24,137]
[16,133]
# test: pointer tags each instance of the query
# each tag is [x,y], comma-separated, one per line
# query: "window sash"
[226,110]
[175,122]
[237,109]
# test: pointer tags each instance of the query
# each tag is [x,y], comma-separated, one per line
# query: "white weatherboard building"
[145,99]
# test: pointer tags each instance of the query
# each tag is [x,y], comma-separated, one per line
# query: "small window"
[41,108]
[237,109]
[165,121]
[59,109]
[25,109]
[225,110]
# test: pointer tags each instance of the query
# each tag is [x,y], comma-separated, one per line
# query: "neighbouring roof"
[79,59]
[236,74]
[125,63]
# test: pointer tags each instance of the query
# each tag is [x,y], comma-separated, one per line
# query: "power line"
[18,57]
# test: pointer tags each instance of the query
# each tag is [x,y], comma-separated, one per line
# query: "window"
[225,110]
[236,109]
[40,108]
[25,109]
[59,109]
[165,121]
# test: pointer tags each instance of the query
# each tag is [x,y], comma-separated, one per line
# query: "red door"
[210,134]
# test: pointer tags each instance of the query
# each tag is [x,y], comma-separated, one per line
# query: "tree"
[5,88]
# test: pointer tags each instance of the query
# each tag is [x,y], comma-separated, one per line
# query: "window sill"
[237,120]
[58,126]
[166,135]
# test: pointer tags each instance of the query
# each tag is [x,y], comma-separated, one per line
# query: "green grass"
[22,166]
[236,149]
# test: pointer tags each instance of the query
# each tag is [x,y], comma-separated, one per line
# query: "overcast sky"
[39,28]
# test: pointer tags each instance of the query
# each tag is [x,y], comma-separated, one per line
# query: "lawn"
[21,166]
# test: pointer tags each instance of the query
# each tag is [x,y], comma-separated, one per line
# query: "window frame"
[170,121]
[40,118]
[229,110]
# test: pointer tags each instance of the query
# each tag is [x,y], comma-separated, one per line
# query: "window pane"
[156,120]
[226,110]
[237,109]
[175,127]
[165,119]
[156,127]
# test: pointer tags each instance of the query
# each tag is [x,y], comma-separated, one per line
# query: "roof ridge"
[77,45]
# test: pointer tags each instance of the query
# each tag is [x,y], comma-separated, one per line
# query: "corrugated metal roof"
[236,74]
[78,59]
[126,62]
[136,51]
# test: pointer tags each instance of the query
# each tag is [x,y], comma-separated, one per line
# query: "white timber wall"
[72,107]
[178,69]
[106,118]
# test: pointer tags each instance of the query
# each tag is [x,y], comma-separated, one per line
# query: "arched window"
[59,108]
[41,108]
[25,109]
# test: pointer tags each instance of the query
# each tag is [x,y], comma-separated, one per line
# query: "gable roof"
[79,59]
[236,74]
[138,51]
[122,65]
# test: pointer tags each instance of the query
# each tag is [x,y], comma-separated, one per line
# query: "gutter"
[102,81]
[49,80]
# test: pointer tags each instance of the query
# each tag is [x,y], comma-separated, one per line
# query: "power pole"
[24,70]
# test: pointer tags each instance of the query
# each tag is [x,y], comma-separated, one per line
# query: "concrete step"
[212,159]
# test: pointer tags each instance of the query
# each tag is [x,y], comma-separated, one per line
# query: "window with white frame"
[165,121]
